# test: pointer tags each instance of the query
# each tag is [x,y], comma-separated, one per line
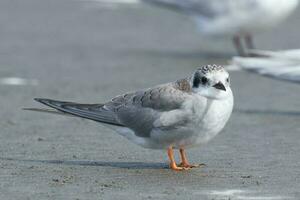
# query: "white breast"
[216,117]
[207,119]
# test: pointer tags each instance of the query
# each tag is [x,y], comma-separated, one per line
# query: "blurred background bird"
[282,65]
[236,19]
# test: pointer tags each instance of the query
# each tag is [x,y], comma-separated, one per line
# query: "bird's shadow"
[114,164]
[268,112]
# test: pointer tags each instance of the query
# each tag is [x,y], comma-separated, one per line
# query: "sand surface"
[89,52]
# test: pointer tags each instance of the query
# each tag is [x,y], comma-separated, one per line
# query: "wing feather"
[96,112]
[141,109]
[137,110]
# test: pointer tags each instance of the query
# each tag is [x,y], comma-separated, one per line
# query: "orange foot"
[174,167]
[189,166]
[184,162]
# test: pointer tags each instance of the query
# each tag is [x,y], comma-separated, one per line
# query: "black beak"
[219,86]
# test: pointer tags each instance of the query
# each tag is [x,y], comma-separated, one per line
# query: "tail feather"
[95,112]
[51,111]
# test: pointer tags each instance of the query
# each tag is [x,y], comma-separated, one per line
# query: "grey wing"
[137,111]
[207,8]
[96,112]
[141,109]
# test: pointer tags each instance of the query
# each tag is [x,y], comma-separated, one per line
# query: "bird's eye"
[227,80]
[204,80]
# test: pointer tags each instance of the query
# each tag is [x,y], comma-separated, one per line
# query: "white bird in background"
[284,65]
[180,114]
[238,19]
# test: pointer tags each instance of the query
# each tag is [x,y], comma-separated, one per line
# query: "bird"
[281,65]
[177,115]
[236,19]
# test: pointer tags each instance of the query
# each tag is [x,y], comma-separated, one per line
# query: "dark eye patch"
[199,80]
[204,80]
[227,80]
[196,81]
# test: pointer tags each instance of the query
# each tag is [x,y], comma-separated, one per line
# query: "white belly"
[198,132]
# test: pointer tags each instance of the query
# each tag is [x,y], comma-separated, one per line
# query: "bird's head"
[211,81]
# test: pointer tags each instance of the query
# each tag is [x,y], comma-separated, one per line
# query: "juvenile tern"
[238,19]
[181,114]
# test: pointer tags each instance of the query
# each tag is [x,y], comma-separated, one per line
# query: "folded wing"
[95,112]
[137,110]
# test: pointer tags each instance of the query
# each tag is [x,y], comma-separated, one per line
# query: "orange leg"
[173,165]
[184,162]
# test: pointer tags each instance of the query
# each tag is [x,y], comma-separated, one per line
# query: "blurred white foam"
[241,195]
[261,197]
[17,81]
[226,192]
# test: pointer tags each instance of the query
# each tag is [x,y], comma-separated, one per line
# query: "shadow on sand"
[268,112]
[124,165]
